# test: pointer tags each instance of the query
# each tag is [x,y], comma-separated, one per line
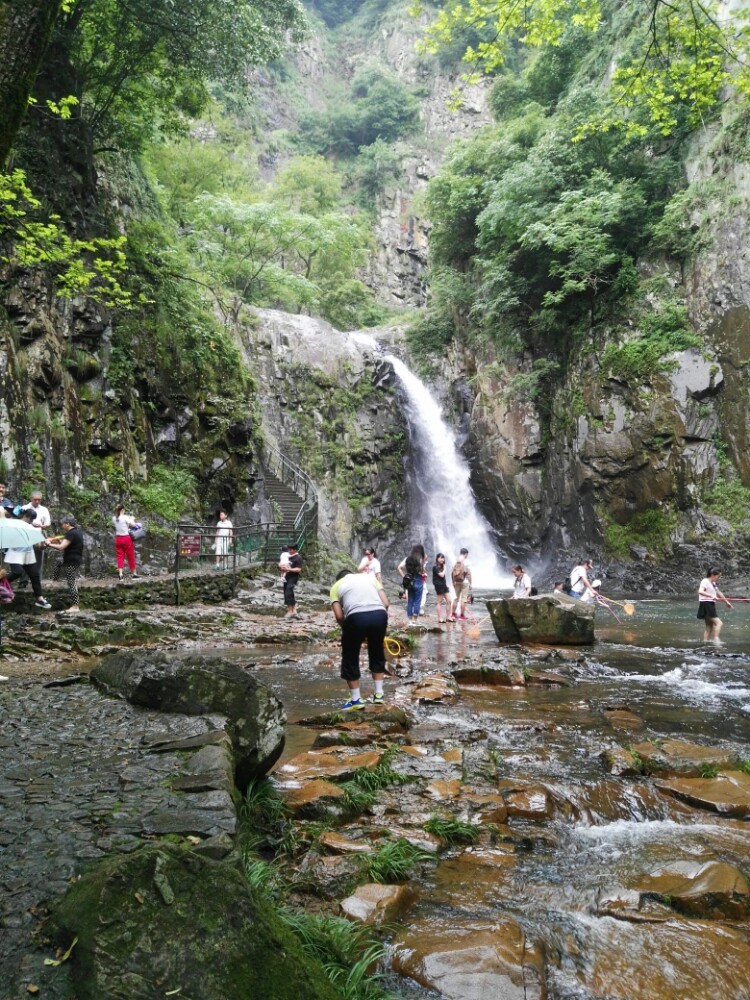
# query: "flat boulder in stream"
[728,794]
[712,889]
[472,962]
[203,685]
[163,921]
[549,619]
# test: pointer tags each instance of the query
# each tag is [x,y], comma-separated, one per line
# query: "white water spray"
[445,516]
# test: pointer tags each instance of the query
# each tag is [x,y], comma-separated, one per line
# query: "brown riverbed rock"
[728,794]
[623,719]
[435,688]
[314,799]
[668,757]
[127,913]
[202,685]
[491,674]
[338,763]
[386,718]
[534,803]
[551,620]
[340,844]
[376,904]
[444,790]
[489,807]
[546,678]
[474,961]
[621,762]
[499,856]
[671,960]
[714,889]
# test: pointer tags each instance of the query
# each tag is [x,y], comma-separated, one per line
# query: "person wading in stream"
[360,606]
[708,593]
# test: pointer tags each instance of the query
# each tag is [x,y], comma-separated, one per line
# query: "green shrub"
[663,331]
[453,830]
[650,528]
[394,861]
[168,492]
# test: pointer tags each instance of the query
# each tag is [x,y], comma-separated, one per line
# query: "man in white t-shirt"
[579,580]
[42,521]
[461,580]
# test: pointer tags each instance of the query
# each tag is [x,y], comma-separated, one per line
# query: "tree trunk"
[25,30]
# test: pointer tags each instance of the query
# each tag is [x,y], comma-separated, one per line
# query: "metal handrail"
[289,473]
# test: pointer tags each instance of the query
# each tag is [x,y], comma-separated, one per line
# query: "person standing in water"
[410,571]
[708,593]
[360,606]
[442,590]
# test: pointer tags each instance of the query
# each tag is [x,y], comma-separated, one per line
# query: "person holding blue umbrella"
[20,558]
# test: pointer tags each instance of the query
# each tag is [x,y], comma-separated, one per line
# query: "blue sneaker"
[353,706]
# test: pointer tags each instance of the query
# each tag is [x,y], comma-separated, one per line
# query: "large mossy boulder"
[550,619]
[201,685]
[164,921]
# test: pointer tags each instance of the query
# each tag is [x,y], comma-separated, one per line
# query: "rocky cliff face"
[325,402]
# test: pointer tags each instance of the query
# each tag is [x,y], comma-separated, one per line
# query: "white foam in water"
[693,688]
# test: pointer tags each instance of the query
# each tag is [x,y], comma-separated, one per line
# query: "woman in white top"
[708,593]
[124,548]
[224,528]
[522,584]
[370,564]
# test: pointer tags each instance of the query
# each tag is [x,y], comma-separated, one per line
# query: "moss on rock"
[164,919]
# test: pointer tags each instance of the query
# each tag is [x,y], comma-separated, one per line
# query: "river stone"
[163,919]
[677,757]
[377,904]
[314,798]
[534,804]
[476,961]
[334,762]
[435,688]
[339,844]
[714,889]
[621,763]
[493,674]
[552,620]
[728,794]
[386,718]
[200,685]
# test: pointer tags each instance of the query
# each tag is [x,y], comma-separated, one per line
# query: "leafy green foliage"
[728,497]
[168,492]
[649,528]
[452,831]
[31,238]
[147,63]
[663,331]
[347,951]
[682,54]
[381,107]
[394,861]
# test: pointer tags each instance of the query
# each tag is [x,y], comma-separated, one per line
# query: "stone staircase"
[286,502]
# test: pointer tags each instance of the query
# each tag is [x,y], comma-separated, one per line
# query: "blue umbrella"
[17,534]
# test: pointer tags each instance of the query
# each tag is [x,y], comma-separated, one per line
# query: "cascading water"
[444,515]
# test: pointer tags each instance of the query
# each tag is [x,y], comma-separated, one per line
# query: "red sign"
[190,545]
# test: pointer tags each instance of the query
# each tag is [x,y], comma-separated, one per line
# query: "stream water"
[605,831]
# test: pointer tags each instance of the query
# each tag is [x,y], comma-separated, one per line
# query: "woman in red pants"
[124,548]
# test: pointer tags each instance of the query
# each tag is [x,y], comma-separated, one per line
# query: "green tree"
[308,184]
[683,53]
[265,254]
[143,64]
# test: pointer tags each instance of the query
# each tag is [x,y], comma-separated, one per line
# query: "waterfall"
[444,513]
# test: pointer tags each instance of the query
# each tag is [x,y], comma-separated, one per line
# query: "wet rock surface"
[554,620]
[547,857]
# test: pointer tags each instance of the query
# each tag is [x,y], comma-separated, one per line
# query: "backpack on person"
[458,574]
[567,585]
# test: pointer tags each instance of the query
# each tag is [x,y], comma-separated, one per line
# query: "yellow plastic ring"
[392,646]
